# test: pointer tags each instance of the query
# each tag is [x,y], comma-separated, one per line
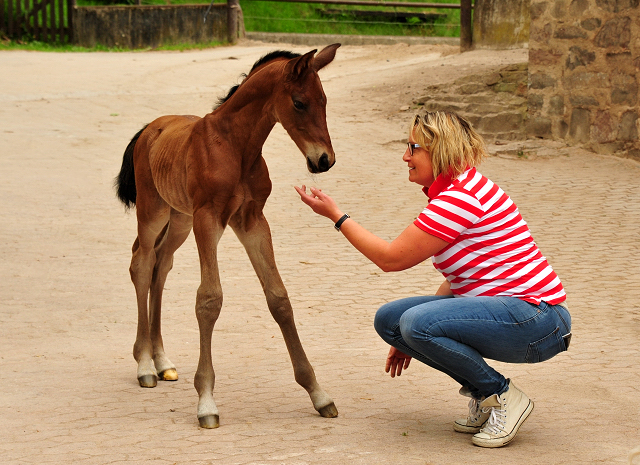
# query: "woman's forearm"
[411,247]
[368,244]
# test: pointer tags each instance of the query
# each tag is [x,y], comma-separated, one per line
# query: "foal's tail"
[125,182]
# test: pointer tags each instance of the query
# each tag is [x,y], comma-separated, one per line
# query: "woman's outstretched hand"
[396,362]
[320,202]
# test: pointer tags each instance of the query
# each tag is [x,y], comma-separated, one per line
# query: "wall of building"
[584,73]
[501,24]
[149,26]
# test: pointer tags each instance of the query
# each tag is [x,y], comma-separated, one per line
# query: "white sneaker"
[507,412]
[474,422]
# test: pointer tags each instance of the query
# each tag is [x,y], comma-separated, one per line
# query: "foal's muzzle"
[322,166]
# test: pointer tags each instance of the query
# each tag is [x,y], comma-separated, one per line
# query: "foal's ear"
[325,56]
[297,66]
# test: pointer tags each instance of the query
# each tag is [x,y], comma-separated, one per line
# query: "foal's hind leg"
[177,231]
[150,226]
[257,242]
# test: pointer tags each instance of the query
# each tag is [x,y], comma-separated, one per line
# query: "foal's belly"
[168,161]
[172,187]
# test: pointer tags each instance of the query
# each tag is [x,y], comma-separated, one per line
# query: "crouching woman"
[500,300]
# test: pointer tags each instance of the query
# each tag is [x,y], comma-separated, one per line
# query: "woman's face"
[419,164]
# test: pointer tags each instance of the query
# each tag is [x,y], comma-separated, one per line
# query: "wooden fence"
[42,20]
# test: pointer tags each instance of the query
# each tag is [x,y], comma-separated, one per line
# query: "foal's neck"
[247,118]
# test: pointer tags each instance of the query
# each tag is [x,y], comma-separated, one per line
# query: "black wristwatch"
[340,221]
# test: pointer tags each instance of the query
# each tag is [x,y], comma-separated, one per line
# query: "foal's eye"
[298,104]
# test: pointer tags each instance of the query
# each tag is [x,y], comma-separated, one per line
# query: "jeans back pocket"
[545,348]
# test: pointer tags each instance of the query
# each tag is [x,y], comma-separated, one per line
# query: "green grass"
[267,16]
[273,16]
[36,46]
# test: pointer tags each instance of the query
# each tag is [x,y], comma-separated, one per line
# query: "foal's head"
[295,99]
[300,106]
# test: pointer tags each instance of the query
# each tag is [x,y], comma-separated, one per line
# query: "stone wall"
[500,24]
[149,26]
[584,72]
[494,102]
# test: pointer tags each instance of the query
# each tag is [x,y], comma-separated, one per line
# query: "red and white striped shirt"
[491,251]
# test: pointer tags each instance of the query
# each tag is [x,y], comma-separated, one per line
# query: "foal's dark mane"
[265,59]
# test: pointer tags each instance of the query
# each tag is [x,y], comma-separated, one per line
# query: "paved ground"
[67,318]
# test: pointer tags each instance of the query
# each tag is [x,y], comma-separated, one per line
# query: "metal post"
[466,32]
[232,20]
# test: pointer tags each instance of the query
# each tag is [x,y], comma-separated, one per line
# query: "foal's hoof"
[148,381]
[209,421]
[329,411]
[170,374]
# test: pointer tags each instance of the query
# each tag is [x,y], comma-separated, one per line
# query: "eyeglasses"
[412,147]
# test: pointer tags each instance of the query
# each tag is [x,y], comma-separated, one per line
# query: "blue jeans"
[455,335]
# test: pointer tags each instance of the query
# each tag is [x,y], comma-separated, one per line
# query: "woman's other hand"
[444,289]
[396,362]
[320,202]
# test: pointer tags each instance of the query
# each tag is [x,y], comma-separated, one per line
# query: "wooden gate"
[42,20]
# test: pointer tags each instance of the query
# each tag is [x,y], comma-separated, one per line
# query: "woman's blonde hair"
[452,143]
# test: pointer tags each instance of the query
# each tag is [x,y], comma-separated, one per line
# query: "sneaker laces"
[474,410]
[497,420]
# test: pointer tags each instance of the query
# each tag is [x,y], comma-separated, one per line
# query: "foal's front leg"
[207,230]
[257,242]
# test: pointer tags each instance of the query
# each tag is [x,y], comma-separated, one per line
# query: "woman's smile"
[418,161]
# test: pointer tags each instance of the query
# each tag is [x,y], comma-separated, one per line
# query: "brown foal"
[184,172]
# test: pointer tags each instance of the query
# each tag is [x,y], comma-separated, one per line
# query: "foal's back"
[163,148]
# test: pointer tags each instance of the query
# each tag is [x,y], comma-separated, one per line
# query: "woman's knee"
[387,316]
[386,321]
[416,324]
